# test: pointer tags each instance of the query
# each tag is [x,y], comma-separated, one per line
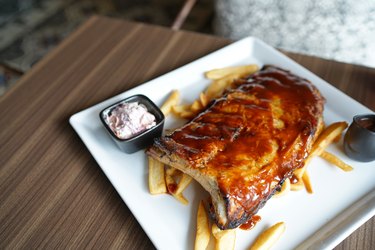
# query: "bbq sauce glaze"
[253,137]
[251,223]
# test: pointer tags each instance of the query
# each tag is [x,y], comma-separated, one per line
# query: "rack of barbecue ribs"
[244,145]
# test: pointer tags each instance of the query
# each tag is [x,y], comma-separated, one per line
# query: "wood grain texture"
[52,192]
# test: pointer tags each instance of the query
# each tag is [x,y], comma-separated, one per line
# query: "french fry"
[196,106]
[337,139]
[187,111]
[172,176]
[299,185]
[181,198]
[183,111]
[217,87]
[171,101]
[269,237]
[224,239]
[156,181]
[203,99]
[187,114]
[307,182]
[327,137]
[298,173]
[179,110]
[336,161]
[222,72]
[184,182]
[285,188]
[203,234]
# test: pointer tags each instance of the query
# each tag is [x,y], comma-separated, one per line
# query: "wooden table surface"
[52,192]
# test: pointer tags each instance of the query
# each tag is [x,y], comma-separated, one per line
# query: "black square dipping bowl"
[142,139]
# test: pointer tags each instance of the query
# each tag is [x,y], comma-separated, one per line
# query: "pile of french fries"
[329,135]
[168,180]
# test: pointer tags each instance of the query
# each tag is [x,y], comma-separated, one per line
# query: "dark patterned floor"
[31,28]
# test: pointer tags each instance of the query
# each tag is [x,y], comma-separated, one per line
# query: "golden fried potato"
[156,181]
[217,87]
[299,185]
[196,106]
[184,182]
[224,239]
[172,100]
[269,237]
[215,74]
[188,114]
[327,137]
[178,109]
[307,182]
[203,234]
[203,99]
[333,159]
[298,173]
[172,177]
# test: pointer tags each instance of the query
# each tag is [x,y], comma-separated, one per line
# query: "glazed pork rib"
[247,142]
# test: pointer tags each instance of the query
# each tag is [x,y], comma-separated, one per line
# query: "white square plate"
[341,201]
